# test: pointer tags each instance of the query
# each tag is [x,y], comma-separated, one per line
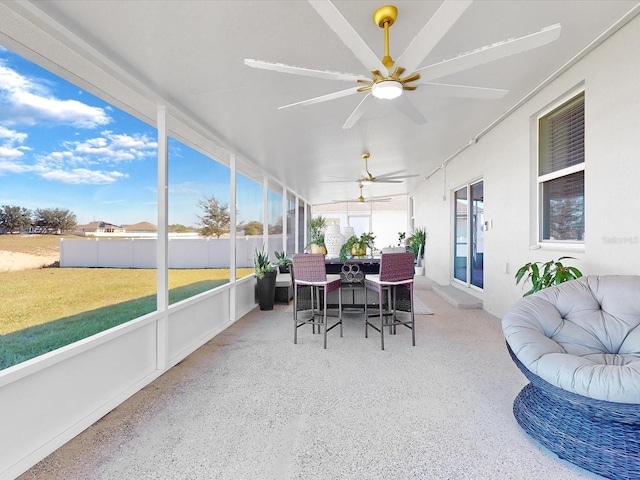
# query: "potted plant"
[317,226]
[283,261]
[266,275]
[417,243]
[357,246]
[543,275]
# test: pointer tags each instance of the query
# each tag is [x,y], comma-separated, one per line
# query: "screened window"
[561,172]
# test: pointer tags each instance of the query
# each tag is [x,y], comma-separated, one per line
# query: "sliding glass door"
[468,242]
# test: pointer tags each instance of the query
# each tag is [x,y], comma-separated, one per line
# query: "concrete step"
[456,297]
[423,282]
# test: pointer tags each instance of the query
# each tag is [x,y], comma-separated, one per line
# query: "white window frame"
[542,179]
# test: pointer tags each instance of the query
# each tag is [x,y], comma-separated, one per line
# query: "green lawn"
[47,308]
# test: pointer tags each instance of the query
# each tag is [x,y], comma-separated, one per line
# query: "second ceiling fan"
[362,199]
[367,177]
[388,83]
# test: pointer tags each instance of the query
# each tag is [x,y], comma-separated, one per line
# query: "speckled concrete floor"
[252,405]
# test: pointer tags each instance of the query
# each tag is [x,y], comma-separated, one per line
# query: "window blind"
[561,141]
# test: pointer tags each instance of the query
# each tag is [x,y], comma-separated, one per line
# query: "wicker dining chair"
[396,271]
[310,271]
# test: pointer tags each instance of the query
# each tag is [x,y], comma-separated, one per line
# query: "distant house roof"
[141,227]
[98,226]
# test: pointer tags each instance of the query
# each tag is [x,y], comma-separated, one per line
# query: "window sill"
[559,247]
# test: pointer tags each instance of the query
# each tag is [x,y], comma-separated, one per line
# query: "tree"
[54,220]
[252,228]
[276,228]
[179,228]
[14,218]
[216,219]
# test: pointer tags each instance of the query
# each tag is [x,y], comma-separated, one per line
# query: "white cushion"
[582,336]
[394,250]
[330,278]
[375,278]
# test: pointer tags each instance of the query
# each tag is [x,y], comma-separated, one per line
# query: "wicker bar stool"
[309,270]
[396,270]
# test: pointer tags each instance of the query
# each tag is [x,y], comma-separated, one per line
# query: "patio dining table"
[353,272]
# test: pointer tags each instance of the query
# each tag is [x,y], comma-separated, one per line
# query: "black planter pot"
[283,268]
[267,290]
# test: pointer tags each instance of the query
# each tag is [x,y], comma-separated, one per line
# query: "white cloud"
[74,164]
[83,176]
[185,188]
[8,166]
[11,143]
[112,148]
[6,152]
[29,102]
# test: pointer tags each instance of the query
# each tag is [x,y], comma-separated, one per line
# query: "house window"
[561,172]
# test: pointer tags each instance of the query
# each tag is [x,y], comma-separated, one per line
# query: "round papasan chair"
[578,343]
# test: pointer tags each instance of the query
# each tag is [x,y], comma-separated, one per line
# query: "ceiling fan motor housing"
[386,14]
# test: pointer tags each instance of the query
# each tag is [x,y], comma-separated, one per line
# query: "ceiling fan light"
[387,89]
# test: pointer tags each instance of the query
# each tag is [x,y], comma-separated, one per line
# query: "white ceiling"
[191,54]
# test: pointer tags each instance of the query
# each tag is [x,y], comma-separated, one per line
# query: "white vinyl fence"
[141,252]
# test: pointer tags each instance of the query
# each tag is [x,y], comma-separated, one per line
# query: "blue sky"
[61,147]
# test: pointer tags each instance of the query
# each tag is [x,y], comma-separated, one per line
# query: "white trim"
[561,173]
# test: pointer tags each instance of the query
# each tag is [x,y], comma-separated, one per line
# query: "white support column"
[233,220]
[306,222]
[232,238]
[296,234]
[285,223]
[265,212]
[162,253]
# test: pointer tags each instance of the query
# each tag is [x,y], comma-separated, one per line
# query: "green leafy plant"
[417,243]
[282,258]
[261,263]
[543,275]
[317,225]
[365,239]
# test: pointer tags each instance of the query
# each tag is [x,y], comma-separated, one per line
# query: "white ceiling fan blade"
[396,177]
[389,174]
[385,180]
[436,28]
[366,200]
[348,35]
[309,72]
[405,106]
[462,91]
[358,112]
[489,53]
[322,98]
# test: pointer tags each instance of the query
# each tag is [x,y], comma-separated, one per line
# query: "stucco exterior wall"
[506,159]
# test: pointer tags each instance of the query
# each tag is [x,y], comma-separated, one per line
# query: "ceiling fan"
[368,178]
[361,198]
[387,83]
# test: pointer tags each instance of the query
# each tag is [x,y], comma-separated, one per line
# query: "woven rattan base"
[602,437]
